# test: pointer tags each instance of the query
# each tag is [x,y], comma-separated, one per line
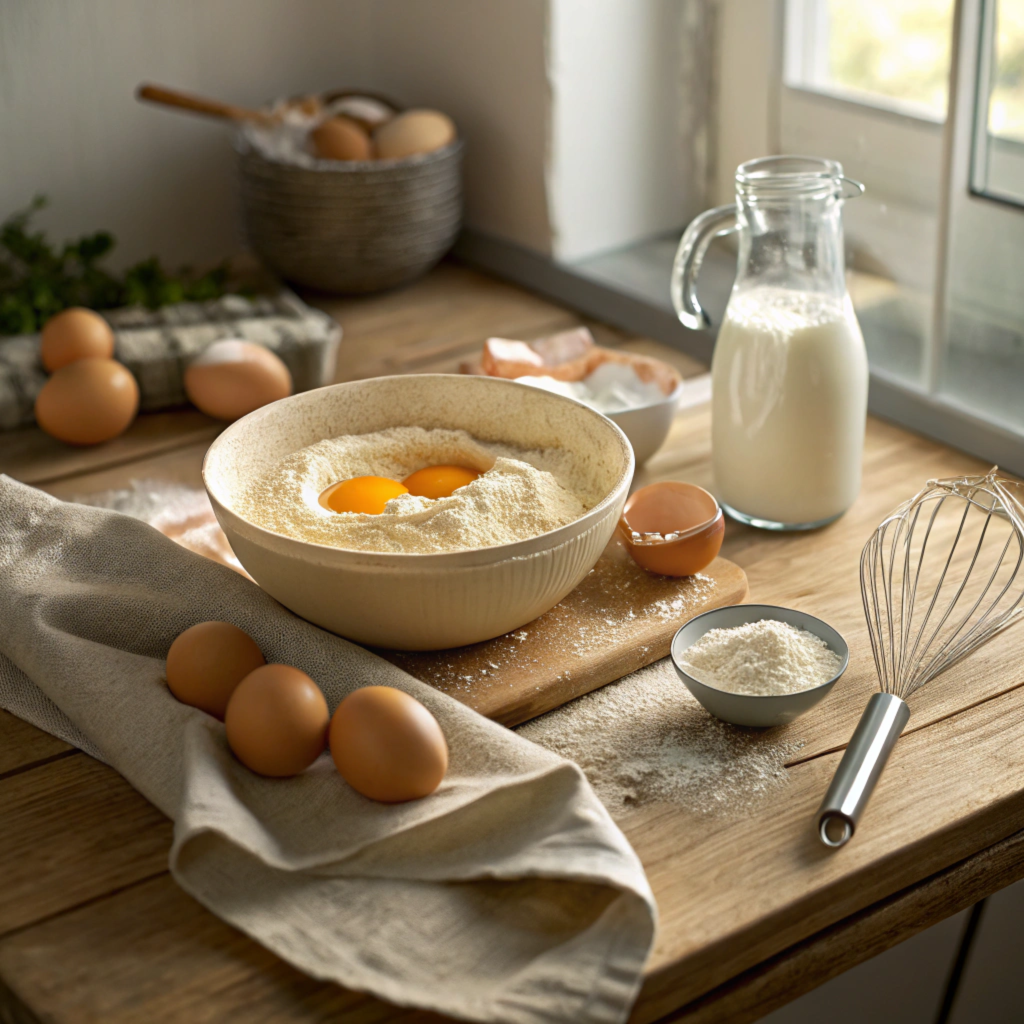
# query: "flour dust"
[644,740]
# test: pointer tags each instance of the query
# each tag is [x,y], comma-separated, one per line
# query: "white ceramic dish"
[744,709]
[648,426]
[416,601]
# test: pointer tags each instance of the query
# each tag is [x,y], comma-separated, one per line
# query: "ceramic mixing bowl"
[421,601]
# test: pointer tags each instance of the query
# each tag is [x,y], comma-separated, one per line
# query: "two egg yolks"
[369,494]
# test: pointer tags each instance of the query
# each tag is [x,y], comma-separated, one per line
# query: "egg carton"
[157,346]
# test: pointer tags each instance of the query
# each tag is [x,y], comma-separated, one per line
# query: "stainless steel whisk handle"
[876,734]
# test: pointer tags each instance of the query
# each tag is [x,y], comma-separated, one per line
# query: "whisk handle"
[876,734]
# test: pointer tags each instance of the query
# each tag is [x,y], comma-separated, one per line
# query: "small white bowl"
[745,709]
[421,601]
[648,426]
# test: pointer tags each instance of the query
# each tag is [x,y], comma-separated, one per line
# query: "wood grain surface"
[753,911]
[778,980]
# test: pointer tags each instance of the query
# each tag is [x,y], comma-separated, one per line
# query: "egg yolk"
[439,481]
[366,494]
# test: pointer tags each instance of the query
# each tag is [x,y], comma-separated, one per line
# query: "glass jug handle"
[692,246]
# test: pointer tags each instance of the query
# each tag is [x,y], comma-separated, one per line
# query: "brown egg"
[387,745]
[341,138]
[207,662]
[76,333]
[415,131]
[276,721]
[88,401]
[231,378]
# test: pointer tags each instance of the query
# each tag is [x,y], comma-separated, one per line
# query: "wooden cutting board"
[619,619]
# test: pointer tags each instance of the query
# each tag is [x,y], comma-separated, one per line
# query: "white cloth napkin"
[509,895]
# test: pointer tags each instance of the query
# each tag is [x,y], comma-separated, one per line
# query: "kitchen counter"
[753,910]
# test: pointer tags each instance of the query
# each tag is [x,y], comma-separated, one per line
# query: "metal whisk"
[940,576]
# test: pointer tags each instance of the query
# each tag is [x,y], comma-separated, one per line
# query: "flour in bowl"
[519,494]
[761,659]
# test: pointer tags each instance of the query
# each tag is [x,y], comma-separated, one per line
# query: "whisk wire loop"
[954,651]
[935,586]
[908,619]
[919,659]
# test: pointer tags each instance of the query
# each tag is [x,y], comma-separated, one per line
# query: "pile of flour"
[761,659]
[519,494]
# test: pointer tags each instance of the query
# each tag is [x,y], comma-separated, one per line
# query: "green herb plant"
[38,279]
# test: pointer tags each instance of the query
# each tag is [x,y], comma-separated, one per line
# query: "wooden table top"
[753,910]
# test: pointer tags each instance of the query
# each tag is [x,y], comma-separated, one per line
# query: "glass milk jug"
[789,376]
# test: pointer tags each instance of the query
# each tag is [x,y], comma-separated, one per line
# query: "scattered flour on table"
[645,739]
[184,514]
[519,494]
[761,659]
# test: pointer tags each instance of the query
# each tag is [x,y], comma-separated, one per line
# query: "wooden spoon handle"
[201,105]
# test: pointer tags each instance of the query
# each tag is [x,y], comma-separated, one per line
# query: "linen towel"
[509,895]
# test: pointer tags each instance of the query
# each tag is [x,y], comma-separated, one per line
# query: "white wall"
[748,31]
[482,62]
[616,173]
[161,182]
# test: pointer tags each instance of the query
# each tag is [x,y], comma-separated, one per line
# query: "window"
[998,165]
[979,362]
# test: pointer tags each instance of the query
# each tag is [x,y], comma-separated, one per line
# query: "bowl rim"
[766,697]
[436,559]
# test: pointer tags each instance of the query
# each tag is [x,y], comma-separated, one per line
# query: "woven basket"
[352,227]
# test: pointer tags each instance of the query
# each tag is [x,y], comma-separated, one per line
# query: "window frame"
[1008,151]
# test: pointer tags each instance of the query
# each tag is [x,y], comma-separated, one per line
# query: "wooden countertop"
[753,911]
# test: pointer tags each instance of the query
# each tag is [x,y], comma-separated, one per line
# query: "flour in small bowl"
[520,493]
[761,659]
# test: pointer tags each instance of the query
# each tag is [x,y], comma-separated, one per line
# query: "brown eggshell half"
[673,507]
[387,745]
[207,662]
[231,378]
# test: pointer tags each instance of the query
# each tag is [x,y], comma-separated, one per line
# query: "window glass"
[982,364]
[997,168]
[892,49]
[892,53]
[1006,95]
